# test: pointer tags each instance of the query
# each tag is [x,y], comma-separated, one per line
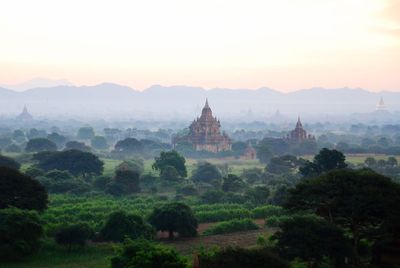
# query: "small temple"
[299,133]
[381,105]
[25,115]
[205,133]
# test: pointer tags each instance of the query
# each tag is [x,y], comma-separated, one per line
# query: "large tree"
[326,160]
[129,145]
[21,191]
[9,162]
[124,182]
[171,158]
[120,225]
[78,163]
[232,183]
[174,217]
[40,145]
[360,201]
[206,172]
[311,239]
[77,145]
[20,233]
[85,133]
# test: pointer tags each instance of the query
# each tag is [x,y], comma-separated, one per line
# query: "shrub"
[145,254]
[231,226]
[267,211]
[73,235]
[20,233]
[241,258]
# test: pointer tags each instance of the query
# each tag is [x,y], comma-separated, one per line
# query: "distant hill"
[159,102]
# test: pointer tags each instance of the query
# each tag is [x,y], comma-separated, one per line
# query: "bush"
[222,215]
[267,211]
[145,254]
[241,258]
[73,235]
[120,225]
[187,190]
[20,233]
[231,226]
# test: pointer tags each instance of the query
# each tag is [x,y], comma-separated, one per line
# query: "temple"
[381,105]
[25,115]
[205,133]
[299,134]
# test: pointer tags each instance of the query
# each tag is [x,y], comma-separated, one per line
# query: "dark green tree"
[77,145]
[21,191]
[73,235]
[264,153]
[145,254]
[78,163]
[206,172]
[125,182]
[58,139]
[326,160]
[20,233]
[169,173]
[120,225]
[360,201]
[258,195]
[174,217]
[136,165]
[129,146]
[40,145]
[9,162]
[241,258]
[232,183]
[171,158]
[311,239]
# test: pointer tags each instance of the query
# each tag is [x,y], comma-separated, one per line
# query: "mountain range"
[109,100]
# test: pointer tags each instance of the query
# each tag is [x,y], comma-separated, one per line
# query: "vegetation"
[231,226]
[21,191]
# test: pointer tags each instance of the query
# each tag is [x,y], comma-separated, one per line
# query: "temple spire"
[298,122]
[206,105]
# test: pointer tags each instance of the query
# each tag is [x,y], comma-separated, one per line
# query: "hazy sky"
[283,44]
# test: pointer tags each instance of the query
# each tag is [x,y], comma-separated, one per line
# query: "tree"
[120,225]
[85,133]
[360,201]
[129,145]
[206,172]
[241,258]
[135,165]
[78,163]
[125,182]
[283,164]
[9,162]
[58,139]
[174,217]
[58,175]
[258,195]
[324,161]
[311,239]
[20,233]
[169,173]
[76,145]
[73,235]
[99,143]
[13,148]
[145,254]
[40,145]
[264,153]
[21,191]
[171,158]
[232,183]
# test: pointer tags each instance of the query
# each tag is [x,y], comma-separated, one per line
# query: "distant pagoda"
[381,105]
[25,115]
[205,133]
[299,133]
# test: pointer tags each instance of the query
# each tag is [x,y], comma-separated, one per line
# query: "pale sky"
[282,44]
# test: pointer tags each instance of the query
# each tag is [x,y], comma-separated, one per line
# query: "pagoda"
[205,133]
[299,133]
[25,115]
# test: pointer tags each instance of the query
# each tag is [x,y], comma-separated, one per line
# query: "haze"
[286,44]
